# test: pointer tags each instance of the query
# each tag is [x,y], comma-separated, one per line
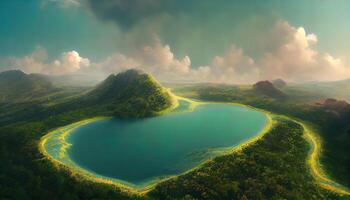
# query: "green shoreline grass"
[309,134]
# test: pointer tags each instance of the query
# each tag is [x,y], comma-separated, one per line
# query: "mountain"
[17,86]
[268,89]
[132,93]
[279,83]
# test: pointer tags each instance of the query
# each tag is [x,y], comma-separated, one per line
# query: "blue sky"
[200,29]
[26,24]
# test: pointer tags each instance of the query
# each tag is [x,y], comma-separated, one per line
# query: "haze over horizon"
[178,40]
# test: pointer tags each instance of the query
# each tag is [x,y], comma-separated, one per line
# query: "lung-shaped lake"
[139,152]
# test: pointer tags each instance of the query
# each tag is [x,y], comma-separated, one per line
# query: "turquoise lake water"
[139,151]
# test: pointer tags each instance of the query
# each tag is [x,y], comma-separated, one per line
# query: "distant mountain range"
[332,89]
[16,86]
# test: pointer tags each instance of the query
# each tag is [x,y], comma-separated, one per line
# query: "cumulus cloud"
[68,63]
[157,59]
[38,62]
[291,55]
[233,67]
[296,58]
[32,63]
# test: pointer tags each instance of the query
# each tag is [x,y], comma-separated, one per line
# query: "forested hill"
[268,89]
[132,93]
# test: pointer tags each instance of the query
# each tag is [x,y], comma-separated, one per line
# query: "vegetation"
[132,94]
[268,89]
[17,86]
[279,158]
[128,94]
[331,121]
[25,174]
[272,168]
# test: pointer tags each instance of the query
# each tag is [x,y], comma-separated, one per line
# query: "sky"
[230,41]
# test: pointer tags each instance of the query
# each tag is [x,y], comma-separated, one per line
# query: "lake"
[140,152]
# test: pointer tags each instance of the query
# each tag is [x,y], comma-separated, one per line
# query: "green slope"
[16,86]
[131,94]
[268,89]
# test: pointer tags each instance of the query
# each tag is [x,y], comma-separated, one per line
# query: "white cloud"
[291,55]
[32,63]
[37,62]
[233,67]
[295,58]
[68,63]
[157,59]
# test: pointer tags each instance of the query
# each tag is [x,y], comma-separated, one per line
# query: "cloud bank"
[295,58]
[291,55]
[37,62]
[157,59]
